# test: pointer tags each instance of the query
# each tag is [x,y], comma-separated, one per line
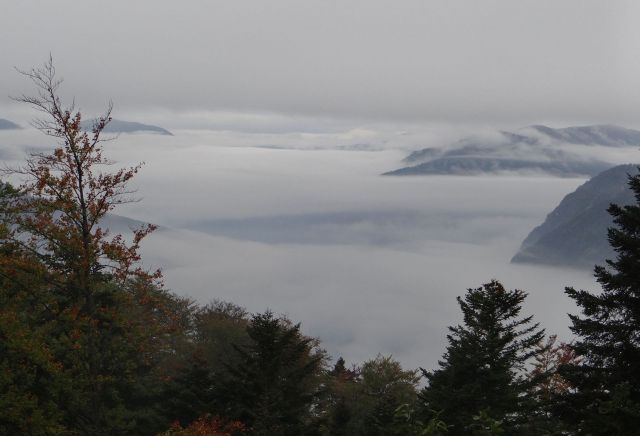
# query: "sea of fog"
[307,227]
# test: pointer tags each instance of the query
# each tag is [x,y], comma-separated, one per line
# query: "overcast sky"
[491,62]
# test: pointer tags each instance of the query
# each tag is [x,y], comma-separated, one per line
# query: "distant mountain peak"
[8,125]
[120,126]
[464,165]
[533,149]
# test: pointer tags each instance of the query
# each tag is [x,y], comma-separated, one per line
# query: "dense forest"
[93,344]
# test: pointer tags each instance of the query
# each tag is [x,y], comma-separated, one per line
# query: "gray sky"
[491,62]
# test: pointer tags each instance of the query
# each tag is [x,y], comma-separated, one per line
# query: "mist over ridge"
[532,149]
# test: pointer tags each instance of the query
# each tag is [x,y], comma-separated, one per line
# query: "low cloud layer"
[360,300]
[367,263]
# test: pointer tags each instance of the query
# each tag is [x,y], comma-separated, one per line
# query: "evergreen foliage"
[31,378]
[364,400]
[200,367]
[606,399]
[276,381]
[481,371]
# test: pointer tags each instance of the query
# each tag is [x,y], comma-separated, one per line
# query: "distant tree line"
[93,344]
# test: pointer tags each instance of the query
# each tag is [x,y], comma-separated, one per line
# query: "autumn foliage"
[207,426]
[65,195]
[80,313]
[551,358]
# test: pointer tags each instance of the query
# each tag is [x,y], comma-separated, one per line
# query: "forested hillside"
[575,232]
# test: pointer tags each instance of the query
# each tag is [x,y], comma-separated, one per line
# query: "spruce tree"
[274,381]
[481,371]
[606,398]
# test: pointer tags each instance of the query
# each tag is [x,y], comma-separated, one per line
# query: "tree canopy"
[482,370]
[92,318]
[606,398]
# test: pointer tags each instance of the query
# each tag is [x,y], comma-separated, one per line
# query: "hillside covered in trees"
[575,232]
[91,343]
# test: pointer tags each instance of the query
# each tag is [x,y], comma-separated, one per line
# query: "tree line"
[93,344]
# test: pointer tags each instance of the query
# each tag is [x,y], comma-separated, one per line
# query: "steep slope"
[575,232]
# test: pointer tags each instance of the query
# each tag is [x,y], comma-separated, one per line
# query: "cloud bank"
[306,228]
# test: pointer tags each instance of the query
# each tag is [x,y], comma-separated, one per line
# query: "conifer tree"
[606,399]
[480,374]
[275,379]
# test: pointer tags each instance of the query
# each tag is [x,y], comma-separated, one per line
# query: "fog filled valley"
[310,229]
[320,218]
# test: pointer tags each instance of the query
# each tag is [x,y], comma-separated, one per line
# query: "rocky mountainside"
[575,232]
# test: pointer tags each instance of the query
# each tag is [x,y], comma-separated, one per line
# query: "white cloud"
[367,263]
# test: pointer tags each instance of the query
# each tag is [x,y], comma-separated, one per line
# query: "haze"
[367,263]
[285,114]
[460,61]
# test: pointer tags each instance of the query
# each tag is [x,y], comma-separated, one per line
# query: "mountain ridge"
[121,126]
[534,148]
[575,232]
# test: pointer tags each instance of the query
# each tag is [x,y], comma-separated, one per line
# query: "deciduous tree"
[105,317]
[549,386]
